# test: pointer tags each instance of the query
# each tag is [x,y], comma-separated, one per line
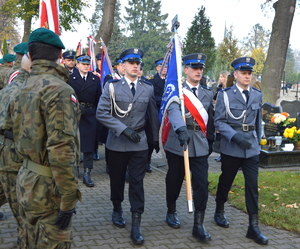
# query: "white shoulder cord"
[226,102]
[116,108]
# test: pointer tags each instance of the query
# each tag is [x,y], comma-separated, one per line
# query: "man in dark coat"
[158,82]
[88,91]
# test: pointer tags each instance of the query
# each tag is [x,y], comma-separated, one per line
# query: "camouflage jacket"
[46,130]
[10,160]
[5,71]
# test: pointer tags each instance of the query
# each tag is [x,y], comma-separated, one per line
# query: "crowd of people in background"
[54,115]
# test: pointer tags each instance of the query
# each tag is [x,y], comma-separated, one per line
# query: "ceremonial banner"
[106,67]
[79,49]
[49,15]
[91,52]
[172,89]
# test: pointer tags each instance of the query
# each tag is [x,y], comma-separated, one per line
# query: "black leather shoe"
[87,180]
[1,216]
[257,236]
[136,231]
[118,219]
[172,220]
[221,220]
[149,169]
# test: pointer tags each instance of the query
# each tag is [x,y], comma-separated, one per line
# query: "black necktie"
[83,78]
[246,92]
[194,91]
[132,88]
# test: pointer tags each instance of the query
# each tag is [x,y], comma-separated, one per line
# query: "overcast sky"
[241,14]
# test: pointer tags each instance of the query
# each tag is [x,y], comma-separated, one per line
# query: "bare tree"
[107,23]
[276,57]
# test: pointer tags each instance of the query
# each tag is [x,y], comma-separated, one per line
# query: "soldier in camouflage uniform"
[10,161]
[46,135]
[19,49]
[6,70]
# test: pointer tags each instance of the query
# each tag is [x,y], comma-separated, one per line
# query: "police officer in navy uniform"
[199,147]
[118,71]
[238,119]
[88,91]
[69,60]
[158,82]
[98,61]
[122,108]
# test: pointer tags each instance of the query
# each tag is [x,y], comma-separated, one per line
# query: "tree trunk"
[107,23]
[279,41]
[27,29]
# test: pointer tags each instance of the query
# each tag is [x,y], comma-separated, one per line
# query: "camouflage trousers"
[3,199]
[8,181]
[39,206]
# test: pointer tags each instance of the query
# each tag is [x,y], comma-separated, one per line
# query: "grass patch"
[279,197]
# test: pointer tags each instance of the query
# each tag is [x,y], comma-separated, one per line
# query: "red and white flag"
[49,15]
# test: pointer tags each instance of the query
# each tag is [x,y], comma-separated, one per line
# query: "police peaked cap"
[69,55]
[194,60]
[118,61]
[132,54]
[9,58]
[243,64]
[46,36]
[21,48]
[98,56]
[159,62]
[84,58]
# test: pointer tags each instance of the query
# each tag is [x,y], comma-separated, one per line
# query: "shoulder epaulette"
[225,89]
[205,87]
[256,89]
[113,81]
[145,81]
[151,78]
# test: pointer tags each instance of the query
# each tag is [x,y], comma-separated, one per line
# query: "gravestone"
[268,110]
[291,107]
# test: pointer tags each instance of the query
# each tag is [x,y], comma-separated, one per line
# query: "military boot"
[87,180]
[199,230]
[117,216]
[172,219]
[254,231]
[220,217]
[136,231]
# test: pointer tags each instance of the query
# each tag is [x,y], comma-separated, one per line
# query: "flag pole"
[175,26]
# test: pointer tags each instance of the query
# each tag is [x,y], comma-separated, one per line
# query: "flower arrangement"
[283,119]
[292,134]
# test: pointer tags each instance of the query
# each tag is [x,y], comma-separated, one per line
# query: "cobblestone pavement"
[92,226]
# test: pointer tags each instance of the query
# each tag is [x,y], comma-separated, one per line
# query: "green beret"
[21,48]
[1,61]
[46,36]
[9,57]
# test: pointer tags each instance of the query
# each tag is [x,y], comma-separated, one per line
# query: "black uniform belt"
[139,129]
[86,105]
[243,127]
[194,127]
[7,134]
